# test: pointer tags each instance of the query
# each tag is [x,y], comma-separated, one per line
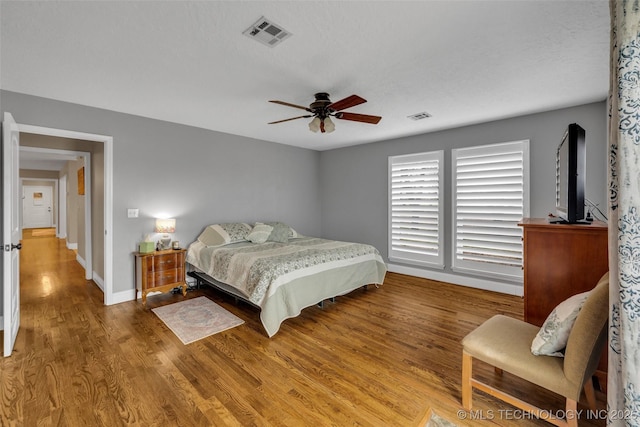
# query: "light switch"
[132,213]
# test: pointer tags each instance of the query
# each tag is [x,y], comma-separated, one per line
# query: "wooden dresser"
[160,271]
[561,260]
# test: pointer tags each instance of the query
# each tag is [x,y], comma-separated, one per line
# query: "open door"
[11,231]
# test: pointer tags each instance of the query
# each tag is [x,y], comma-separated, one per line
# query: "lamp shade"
[322,124]
[328,125]
[164,225]
[314,125]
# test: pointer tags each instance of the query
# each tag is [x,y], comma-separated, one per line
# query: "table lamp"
[165,226]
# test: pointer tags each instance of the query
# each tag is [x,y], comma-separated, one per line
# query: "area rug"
[39,232]
[196,318]
[431,419]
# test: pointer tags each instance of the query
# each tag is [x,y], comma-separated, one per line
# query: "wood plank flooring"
[380,357]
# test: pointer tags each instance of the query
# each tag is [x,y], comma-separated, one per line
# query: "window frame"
[489,269]
[423,259]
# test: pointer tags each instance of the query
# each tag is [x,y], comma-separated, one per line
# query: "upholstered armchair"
[506,344]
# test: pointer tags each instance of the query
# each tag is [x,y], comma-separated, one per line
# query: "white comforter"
[284,278]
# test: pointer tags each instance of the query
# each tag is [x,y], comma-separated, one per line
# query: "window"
[415,208]
[490,196]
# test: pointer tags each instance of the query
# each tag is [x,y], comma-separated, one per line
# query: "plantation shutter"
[490,199]
[415,208]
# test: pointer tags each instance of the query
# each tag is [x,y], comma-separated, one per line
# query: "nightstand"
[160,271]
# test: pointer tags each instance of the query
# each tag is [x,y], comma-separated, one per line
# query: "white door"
[37,206]
[11,232]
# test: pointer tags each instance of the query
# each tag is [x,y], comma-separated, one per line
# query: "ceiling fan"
[322,109]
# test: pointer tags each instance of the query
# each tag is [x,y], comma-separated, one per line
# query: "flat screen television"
[570,175]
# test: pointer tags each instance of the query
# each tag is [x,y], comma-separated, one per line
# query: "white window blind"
[490,198]
[415,208]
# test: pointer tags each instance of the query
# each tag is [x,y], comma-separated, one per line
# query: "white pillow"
[260,233]
[221,234]
[292,233]
[554,333]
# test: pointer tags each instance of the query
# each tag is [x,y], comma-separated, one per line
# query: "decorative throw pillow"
[260,233]
[221,234]
[280,233]
[554,333]
[292,233]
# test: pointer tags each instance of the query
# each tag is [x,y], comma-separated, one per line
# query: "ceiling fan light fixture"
[314,125]
[329,126]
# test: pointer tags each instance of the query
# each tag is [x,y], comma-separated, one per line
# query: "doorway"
[34,158]
[106,226]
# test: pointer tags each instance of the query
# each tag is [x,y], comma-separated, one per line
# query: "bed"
[272,267]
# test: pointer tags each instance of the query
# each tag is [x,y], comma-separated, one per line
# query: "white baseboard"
[131,295]
[1,323]
[123,296]
[81,261]
[72,246]
[487,285]
[98,280]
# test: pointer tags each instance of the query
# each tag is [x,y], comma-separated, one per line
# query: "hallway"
[48,268]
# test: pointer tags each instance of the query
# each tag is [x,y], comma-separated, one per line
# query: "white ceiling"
[463,62]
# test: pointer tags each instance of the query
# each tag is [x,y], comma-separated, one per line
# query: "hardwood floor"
[380,357]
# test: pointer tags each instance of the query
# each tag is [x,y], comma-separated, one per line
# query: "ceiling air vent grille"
[420,116]
[267,32]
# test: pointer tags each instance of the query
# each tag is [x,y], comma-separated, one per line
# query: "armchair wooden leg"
[572,413]
[467,390]
[590,393]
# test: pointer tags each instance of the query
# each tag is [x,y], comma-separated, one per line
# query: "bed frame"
[203,278]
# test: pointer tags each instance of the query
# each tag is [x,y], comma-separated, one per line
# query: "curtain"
[623,397]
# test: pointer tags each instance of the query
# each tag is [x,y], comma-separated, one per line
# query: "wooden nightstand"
[160,271]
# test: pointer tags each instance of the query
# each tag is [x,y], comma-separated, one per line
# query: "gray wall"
[202,177]
[75,208]
[195,175]
[354,179]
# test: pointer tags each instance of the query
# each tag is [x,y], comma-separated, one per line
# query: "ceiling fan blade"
[292,118]
[365,118]
[348,102]
[288,104]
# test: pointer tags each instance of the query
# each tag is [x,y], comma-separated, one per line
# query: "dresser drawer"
[165,262]
[165,277]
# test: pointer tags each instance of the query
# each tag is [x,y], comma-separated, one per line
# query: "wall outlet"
[132,213]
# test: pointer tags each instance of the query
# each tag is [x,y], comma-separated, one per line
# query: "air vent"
[420,116]
[267,32]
